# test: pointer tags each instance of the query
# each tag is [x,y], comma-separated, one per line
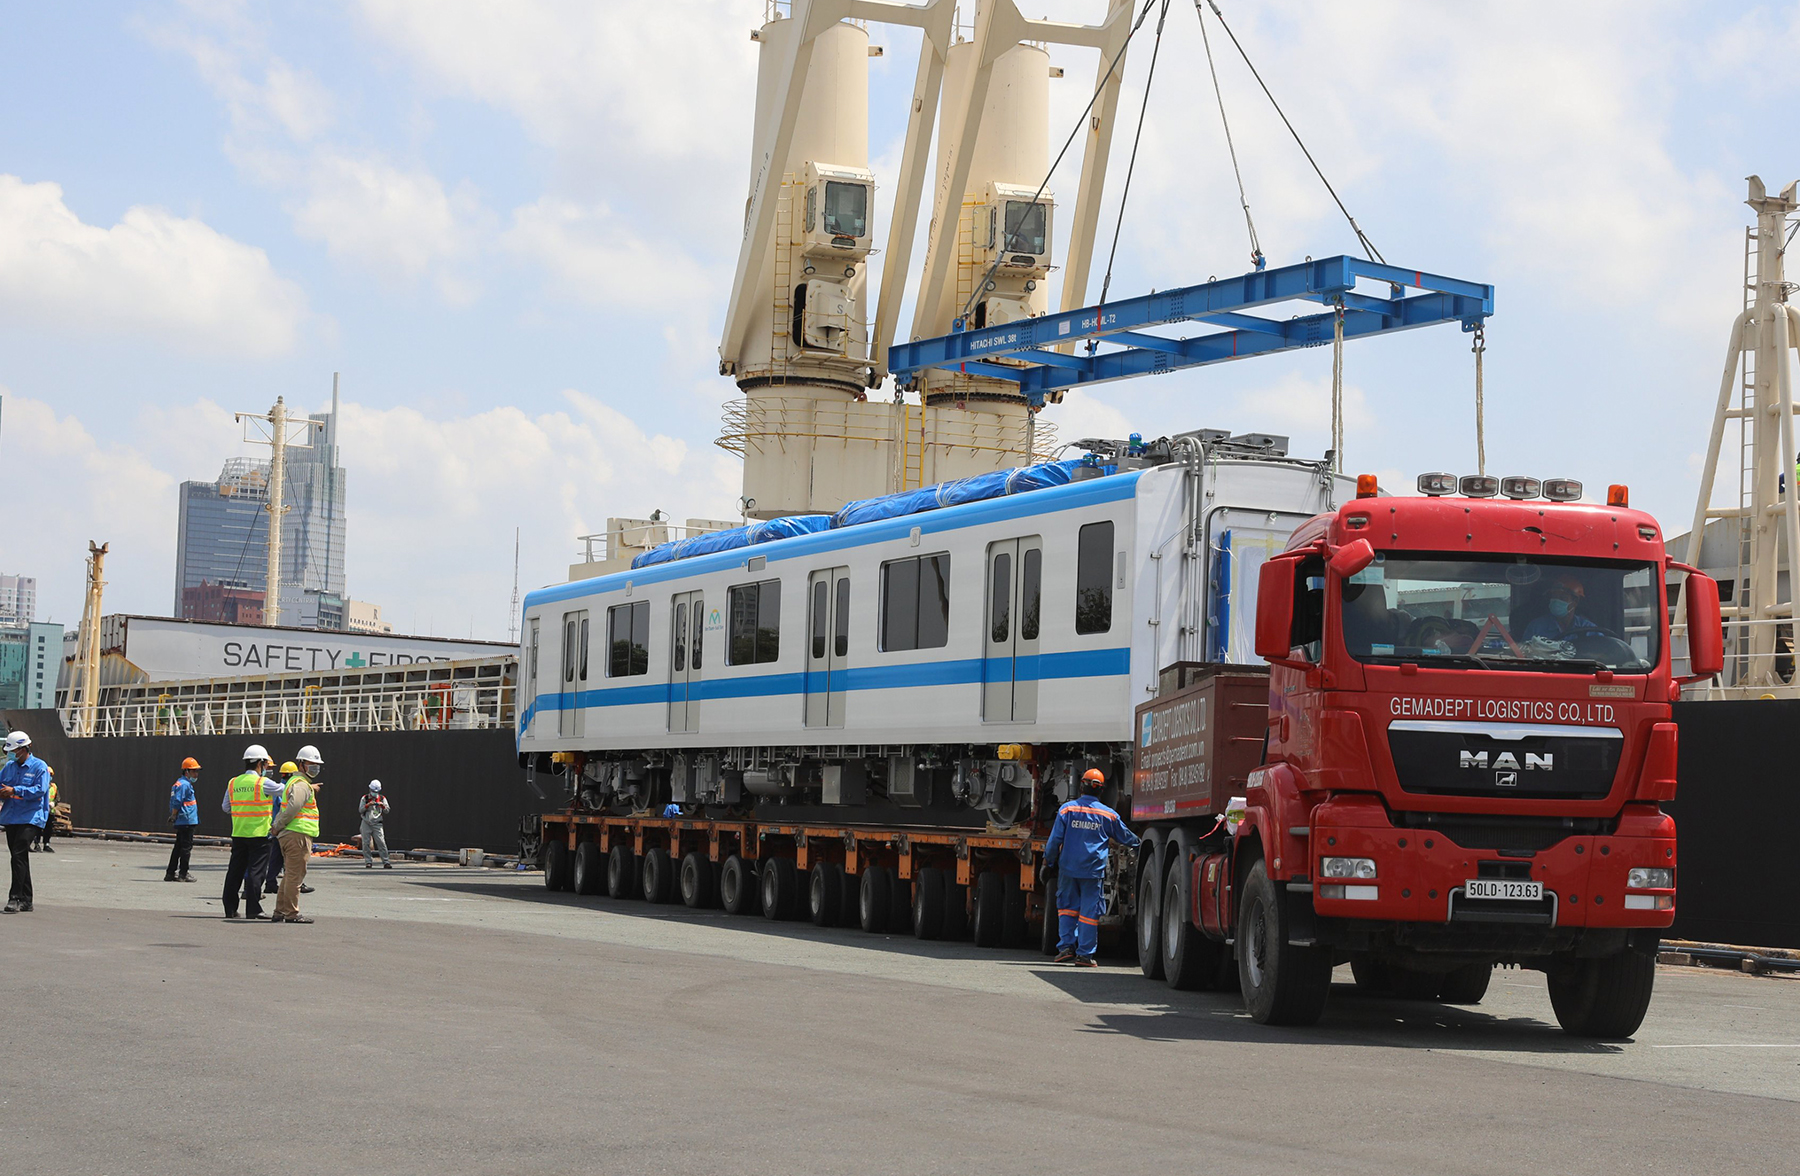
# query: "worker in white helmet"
[247,803]
[374,810]
[24,810]
[295,826]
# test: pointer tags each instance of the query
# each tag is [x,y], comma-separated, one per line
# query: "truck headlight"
[1650,878]
[1346,867]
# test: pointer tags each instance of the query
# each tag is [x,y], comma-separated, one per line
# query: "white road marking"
[1734,1045]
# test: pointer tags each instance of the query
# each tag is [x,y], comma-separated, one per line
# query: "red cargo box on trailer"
[1196,745]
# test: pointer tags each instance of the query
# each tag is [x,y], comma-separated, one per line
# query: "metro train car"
[903,660]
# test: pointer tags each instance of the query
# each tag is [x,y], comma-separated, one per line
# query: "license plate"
[1503,889]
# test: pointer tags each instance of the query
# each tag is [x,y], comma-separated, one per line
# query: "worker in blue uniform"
[24,810]
[1077,850]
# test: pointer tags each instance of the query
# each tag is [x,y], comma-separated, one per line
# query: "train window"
[841,638]
[1031,578]
[1093,578]
[531,662]
[755,623]
[628,640]
[680,659]
[999,609]
[818,617]
[568,650]
[699,608]
[584,646]
[915,603]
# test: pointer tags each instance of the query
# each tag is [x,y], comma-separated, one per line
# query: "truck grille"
[1505,759]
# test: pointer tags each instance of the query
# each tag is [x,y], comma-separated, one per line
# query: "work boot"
[298,919]
[305,889]
[11,907]
[387,865]
[184,878]
[1086,962]
[277,918]
[49,849]
[1064,956]
[258,917]
[168,877]
[234,914]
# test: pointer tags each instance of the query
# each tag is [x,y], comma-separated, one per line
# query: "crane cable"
[1337,388]
[1479,348]
[1130,168]
[1256,253]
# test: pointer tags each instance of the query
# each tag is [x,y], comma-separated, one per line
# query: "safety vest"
[249,811]
[308,820]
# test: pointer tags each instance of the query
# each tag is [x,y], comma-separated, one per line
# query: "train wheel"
[1149,921]
[697,891]
[928,904]
[621,873]
[556,866]
[990,909]
[1283,984]
[874,899]
[1013,931]
[956,909]
[824,895]
[659,880]
[1189,959]
[590,869]
[738,889]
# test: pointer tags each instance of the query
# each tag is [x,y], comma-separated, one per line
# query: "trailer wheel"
[556,866]
[696,880]
[1467,985]
[1189,959]
[956,908]
[659,875]
[780,888]
[1013,931]
[874,899]
[900,892]
[824,895]
[621,873]
[1149,921]
[928,904]
[738,889]
[590,870]
[990,909]
[849,897]
[1372,976]
[1607,997]
[1283,984]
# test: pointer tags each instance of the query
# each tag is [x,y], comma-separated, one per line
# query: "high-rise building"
[30,660]
[18,600]
[221,543]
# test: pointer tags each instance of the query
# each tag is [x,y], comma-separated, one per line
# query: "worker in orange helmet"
[184,817]
[1562,616]
[1077,850]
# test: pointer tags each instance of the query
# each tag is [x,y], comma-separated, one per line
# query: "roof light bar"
[1520,487]
[1562,489]
[1479,485]
[1437,485]
[1366,486]
[1618,496]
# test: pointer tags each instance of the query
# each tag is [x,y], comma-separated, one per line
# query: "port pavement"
[452,1020]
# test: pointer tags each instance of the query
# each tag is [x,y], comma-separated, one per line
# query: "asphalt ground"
[448,1020]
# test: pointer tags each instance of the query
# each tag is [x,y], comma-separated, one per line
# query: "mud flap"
[1302,923]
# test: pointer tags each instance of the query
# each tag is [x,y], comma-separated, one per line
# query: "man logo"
[1506,779]
[1506,760]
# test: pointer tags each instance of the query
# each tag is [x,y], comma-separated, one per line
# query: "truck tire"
[590,869]
[739,892]
[697,891]
[659,875]
[928,904]
[556,866]
[1149,918]
[956,909]
[824,895]
[990,909]
[780,888]
[1283,984]
[1466,985]
[1604,998]
[875,899]
[1189,959]
[1372,976]
[1013,932]
[1412,984]
[900,891]
[621,873]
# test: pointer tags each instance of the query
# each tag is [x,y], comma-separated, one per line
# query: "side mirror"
[1352,558]
[1275,609]
[1706,643]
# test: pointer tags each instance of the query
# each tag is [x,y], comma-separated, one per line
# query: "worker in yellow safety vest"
[295,826]
[247,804]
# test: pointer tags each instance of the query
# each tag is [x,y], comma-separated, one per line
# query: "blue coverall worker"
[1077,848]
[1563,611]
[24,810]
[184,816]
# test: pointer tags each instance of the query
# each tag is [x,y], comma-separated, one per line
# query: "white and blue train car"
[902,662]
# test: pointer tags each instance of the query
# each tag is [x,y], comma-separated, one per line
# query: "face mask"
[1560,608]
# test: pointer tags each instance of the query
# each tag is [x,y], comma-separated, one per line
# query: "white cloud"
[174,278]
[395,222]
[598,257]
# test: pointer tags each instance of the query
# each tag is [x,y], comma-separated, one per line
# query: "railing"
[1759,661]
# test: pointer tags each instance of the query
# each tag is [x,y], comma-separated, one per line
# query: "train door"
[828,646]
[687,627]
[570,719]
[1009,669]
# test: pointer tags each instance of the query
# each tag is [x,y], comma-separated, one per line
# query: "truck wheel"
[621,873]
[658,872]
[780,888]
[1283,984]
[1013,931]
[1149,921]
[1372,976]
[738,889]
[1606,997]
[990,909]
[1467,985]
[1412,984]
[874,899]
[696,881]
[824,894]
[900,891]
[556,866]
[1189,959]
[590,871]
[928,904]
[956,909]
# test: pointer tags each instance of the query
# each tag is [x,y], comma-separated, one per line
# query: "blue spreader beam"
[1415,299]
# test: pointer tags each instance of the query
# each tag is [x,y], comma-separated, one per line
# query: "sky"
[511,228]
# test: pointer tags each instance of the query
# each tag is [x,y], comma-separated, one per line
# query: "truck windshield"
[1504,612]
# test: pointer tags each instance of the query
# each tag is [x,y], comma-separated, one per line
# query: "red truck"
[1465,739]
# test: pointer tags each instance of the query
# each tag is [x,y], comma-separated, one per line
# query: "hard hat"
[374,785]
[258,753]
[308,755]
[289,767]
[190,764]
[17,740]
[1094,774]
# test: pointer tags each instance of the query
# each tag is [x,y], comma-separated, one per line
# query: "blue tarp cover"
[981,486]
[764,532]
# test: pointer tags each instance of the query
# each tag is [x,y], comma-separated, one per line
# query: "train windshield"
[1505,612]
